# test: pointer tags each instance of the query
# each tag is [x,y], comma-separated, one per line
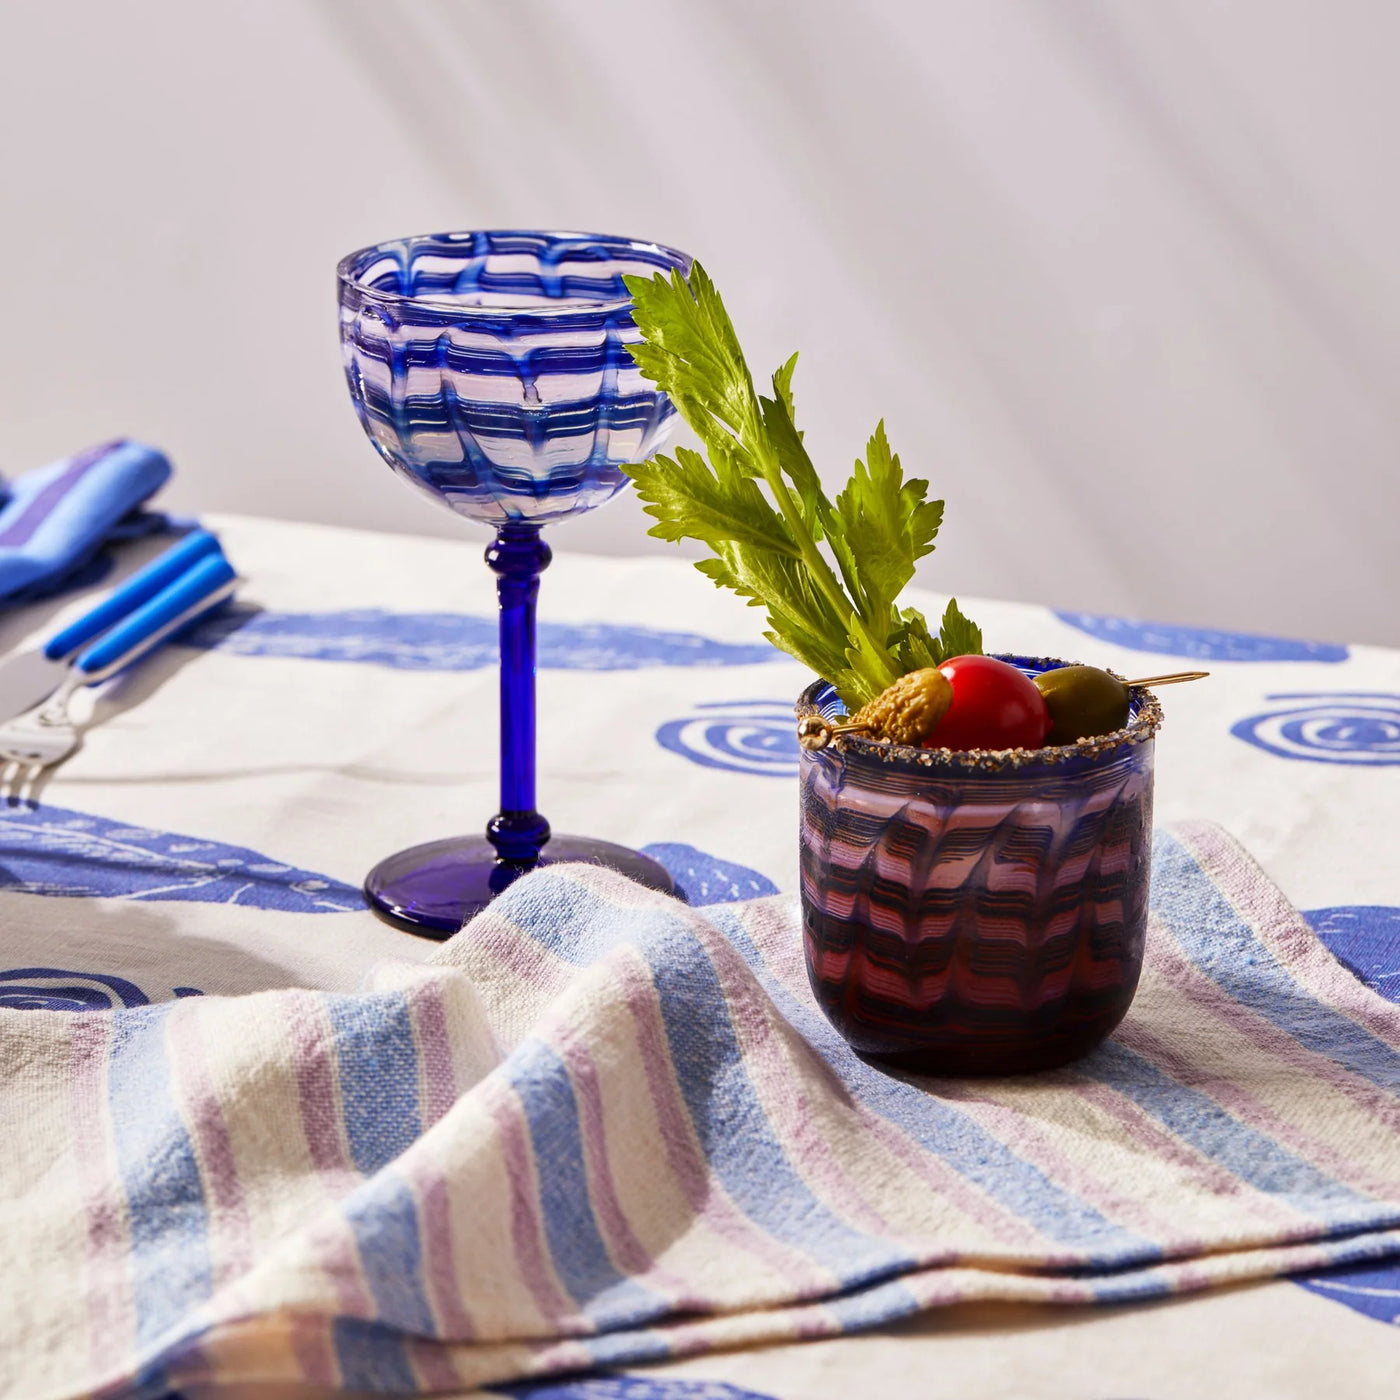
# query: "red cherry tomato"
[995,706]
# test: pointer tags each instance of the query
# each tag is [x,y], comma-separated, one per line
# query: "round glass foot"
[433,889]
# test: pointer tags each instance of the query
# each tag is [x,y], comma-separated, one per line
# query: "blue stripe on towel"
[377,1058]
[389,1237]
[169,1220]
[937,1126]
[730,1119]
[1196,1118]
[600,1289]
[1225,949]
[873,1307]
[372,1357]
[692,1000]
[739,1143]
[377,1063]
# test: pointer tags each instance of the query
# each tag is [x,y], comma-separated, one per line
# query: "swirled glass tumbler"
[982,912]
[490,370]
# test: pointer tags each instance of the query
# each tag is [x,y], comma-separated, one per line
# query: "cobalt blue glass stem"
[518,555]
[434,888]
[490,368]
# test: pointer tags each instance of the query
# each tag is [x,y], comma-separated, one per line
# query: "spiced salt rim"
[1141,727]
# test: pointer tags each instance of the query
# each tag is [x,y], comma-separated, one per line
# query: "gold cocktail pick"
[814,732]
[1173,678]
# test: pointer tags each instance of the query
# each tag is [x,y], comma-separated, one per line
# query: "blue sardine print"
[53,851]
[705,879]
[459,641]
[615,1387]
[1199,643]
[1366,939]
[1372,1290]
[56,851]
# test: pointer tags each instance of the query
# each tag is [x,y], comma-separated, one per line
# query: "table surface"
[211,834]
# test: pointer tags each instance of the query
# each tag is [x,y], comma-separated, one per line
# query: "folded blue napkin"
[55,519]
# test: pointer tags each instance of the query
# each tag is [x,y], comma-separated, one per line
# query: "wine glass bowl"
[490,368]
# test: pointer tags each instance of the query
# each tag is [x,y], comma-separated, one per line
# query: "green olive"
[1083,701]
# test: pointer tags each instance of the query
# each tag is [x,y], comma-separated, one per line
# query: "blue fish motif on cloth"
[627,1388]
[1366,939]
[1360,728]
[53,851]
[757,737]
[705,879]
[1199,643]
[459,641]
[1373,1292]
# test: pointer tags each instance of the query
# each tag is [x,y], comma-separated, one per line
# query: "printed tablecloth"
[211,835]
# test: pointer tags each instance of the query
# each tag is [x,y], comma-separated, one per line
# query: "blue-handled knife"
[152,605]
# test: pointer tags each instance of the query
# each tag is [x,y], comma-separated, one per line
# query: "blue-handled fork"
[183,584]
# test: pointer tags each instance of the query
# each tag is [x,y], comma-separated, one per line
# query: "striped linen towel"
[601,1129]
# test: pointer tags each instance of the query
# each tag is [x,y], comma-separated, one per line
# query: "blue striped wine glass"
[490,370]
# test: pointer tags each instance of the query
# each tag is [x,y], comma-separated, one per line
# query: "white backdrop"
[1121,278]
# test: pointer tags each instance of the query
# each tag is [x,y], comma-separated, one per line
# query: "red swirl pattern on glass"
[964,921]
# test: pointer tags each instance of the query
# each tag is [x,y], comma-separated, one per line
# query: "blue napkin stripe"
[58,516]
